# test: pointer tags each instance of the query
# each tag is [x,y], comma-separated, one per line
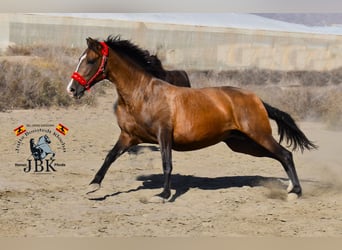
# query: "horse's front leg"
[122,145]
[165,142]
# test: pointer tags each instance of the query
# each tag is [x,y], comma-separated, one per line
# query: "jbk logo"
[41,158]
[39,166]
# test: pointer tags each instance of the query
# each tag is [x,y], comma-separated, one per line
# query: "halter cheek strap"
[101,70]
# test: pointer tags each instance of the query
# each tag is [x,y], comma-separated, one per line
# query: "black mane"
[149,63]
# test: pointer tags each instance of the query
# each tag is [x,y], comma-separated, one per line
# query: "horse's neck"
[133,100]
[130,80]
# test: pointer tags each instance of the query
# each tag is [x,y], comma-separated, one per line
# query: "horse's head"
[90,68]
[47,139]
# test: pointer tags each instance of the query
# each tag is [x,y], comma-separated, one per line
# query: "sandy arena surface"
[215,192]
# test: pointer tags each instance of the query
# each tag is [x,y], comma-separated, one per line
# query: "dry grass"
[36,76]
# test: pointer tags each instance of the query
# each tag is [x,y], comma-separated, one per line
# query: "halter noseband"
[87,84]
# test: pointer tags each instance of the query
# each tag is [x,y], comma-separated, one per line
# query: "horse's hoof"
[157,199]
[292,196]
[93,188]
[290,187]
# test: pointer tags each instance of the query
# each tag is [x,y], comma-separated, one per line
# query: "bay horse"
[150,110]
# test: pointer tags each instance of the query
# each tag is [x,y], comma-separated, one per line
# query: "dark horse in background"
[175,77]
[151,110]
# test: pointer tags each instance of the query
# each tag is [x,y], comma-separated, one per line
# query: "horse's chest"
[139,125]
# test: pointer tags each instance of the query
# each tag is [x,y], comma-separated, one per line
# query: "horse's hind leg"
[285,158]
[268,147]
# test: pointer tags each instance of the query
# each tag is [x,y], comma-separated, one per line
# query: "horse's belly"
[198,138]
[193,145]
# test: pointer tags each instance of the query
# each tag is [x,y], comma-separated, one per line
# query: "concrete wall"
[4,32]
[186,47]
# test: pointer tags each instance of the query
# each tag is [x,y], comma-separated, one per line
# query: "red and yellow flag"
[62,129]
[19,130]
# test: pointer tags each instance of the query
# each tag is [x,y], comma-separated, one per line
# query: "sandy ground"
[215,192]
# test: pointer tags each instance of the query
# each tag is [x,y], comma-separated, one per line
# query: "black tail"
[288,129]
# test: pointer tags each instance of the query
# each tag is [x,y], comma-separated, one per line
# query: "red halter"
[87,84]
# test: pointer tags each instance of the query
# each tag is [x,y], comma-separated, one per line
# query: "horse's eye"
[91,61]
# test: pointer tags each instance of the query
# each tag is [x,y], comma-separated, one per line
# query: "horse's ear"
[94,45]
[88,39]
